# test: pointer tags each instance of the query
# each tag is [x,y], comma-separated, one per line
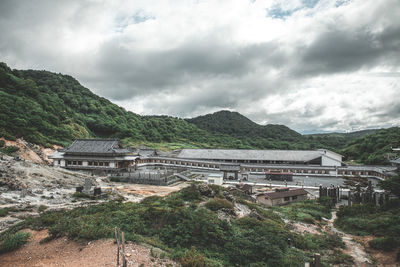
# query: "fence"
[120,238]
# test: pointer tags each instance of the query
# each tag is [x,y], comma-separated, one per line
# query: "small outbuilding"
[245,188]
[282,196]
[215,178]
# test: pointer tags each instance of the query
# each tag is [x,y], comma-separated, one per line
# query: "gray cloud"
[137,56]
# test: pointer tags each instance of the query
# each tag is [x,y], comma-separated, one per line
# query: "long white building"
[320,157]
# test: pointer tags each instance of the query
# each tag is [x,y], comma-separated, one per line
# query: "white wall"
[326,161]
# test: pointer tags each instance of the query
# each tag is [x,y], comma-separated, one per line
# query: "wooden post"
[317,260]
[117,238]
[123,250]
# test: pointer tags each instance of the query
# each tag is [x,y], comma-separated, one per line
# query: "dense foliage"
[191,233]
[391,185]
[13,241]
[250,133]
[382,222]
[372,148]
[48,108]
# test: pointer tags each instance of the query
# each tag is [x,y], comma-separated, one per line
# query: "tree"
[392,185]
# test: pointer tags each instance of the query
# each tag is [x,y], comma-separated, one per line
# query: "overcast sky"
[313,65]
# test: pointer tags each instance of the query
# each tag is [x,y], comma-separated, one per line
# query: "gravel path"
[354,249]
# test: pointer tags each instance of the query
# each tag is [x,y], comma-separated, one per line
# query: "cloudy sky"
[313,65]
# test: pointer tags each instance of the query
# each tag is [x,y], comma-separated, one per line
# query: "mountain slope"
[48,108]
[235,124]
[336,140]
[372,148]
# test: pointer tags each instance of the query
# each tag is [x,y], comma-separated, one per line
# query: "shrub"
[9,150]
[14,241]
[42,208]
[192,258]
[190,193]
[3,212]
[2,143]
[384,243]
[219,203]
[339,258]
[81,195]
[115,179]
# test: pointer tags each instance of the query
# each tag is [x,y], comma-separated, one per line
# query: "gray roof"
[290,193]
[396,161]
[96,146]
[243,154]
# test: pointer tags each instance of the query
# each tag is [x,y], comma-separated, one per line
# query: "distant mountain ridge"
[235,124]
[48,108]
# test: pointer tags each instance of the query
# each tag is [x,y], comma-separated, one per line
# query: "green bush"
[42,208]
[2,143]
[190,193]
[3,212]
[384,243]
[219,203]
[82,195]
[192,258]
[9,150]
[14,241]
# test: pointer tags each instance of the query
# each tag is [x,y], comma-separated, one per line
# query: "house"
[282,196]
[94,154]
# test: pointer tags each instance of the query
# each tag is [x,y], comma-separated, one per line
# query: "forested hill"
[48,108]
[235,124]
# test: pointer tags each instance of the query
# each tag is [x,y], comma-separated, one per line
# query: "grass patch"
[305,211]
[382,222]
[219,203]
[9,150]
[14,241]
[3,212]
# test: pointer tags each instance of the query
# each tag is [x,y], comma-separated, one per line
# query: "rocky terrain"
[29,185]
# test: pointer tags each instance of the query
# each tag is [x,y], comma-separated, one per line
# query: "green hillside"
[48,108]
[336,140]
[372,148]
[251,134]
[235,124]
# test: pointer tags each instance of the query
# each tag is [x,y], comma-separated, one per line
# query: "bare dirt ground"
[136,192]
[67,253]
[31,152]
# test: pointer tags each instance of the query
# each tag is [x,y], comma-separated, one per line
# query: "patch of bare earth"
[64,252]
[136,192]
[383,258]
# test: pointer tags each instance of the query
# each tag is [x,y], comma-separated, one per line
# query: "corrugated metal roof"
[94,146]
[396,161]
[243,154]
[290,193]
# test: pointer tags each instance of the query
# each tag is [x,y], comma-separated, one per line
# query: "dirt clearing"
[64,252]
